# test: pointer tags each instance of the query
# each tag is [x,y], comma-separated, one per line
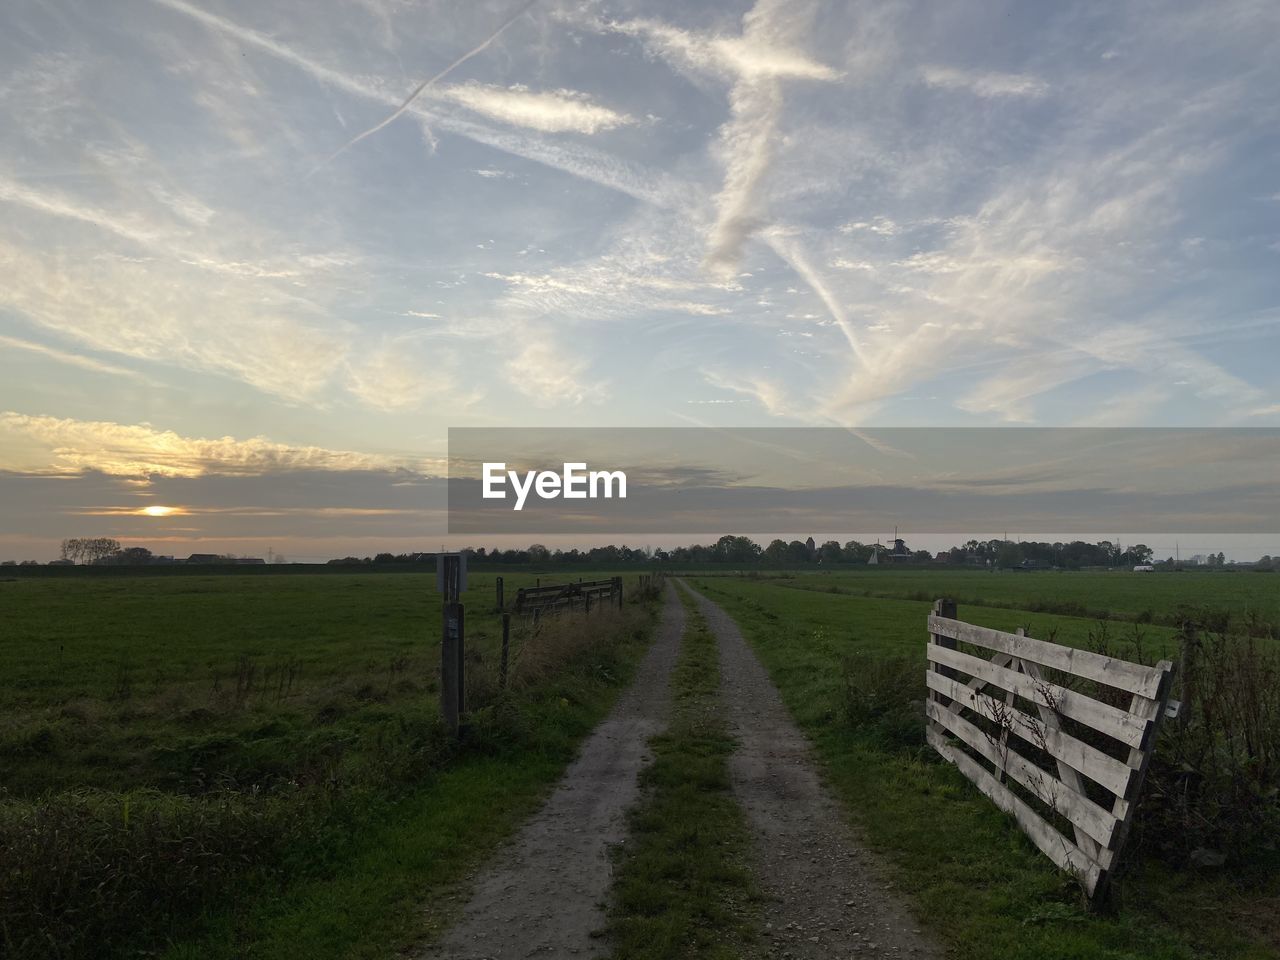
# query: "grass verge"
[682,889]
[986,890]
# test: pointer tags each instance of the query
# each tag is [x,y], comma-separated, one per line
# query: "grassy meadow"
[846,650]
[223,765]
[211,764]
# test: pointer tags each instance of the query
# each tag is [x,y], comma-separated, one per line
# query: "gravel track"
[543,895]
[824,896]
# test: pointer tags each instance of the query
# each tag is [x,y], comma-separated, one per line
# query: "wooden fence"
[1059,738]
[554,596]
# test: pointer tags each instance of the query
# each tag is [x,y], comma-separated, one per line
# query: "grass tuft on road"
[682,888]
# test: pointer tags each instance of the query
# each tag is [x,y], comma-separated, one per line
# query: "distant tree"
[855,552]
[133,555]
[89,549]
[830,552]
[385,558]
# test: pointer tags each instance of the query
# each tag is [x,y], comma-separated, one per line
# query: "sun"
[159,511]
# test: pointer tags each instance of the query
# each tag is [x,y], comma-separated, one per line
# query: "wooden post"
[450,578]
[586,598]
[1188,669]
[1126,807]
[498,587]
[451,667]
[506,648]
[944,607]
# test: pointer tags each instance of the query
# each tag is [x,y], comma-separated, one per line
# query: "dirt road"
[824,896]
[543,895]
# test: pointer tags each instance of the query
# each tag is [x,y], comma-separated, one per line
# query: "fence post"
[586,597]
[498,587]
[451,667]
[506,649]
[617,585]
[1188,669]
[944,607]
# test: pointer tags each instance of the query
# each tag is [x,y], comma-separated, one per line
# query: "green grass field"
[216,762]
[218,766]
[988,891]
[1164,598]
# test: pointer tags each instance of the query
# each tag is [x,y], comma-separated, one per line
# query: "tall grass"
[1213,790]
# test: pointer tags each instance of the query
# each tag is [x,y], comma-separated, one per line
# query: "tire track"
[543,894]
[823,893]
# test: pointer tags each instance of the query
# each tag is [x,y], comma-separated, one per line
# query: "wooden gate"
[1059,738]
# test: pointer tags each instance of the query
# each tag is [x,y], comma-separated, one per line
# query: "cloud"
[985,83]
[164,312]
[754,64]
[72,359]
[771,394]
[556,111]
[549,376]
[44,444]
[402,373]
[577,160]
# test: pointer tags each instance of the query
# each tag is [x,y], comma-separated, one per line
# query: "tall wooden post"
[498,587]
[945,607]
[1188,669]
[451,580]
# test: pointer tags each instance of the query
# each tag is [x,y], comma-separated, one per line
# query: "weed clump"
[882,696]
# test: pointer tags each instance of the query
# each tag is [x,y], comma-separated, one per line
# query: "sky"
[228,285]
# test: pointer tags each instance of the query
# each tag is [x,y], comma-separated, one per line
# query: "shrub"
[883,697]
[1214,783]
[87,868]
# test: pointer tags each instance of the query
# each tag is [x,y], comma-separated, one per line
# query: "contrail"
[417,91]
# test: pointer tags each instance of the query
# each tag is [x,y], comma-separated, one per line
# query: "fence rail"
[1036,727]
[586,592]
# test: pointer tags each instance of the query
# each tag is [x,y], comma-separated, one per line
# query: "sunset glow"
[159,511]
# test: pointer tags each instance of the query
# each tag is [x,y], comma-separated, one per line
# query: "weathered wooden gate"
[1039,729]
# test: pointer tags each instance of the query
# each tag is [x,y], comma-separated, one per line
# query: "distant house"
[205,558]
[62,563]
[1144,568]
[943,556]
[1032,565]
[248,560]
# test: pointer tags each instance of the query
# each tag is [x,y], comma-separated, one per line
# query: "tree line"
[743,551]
